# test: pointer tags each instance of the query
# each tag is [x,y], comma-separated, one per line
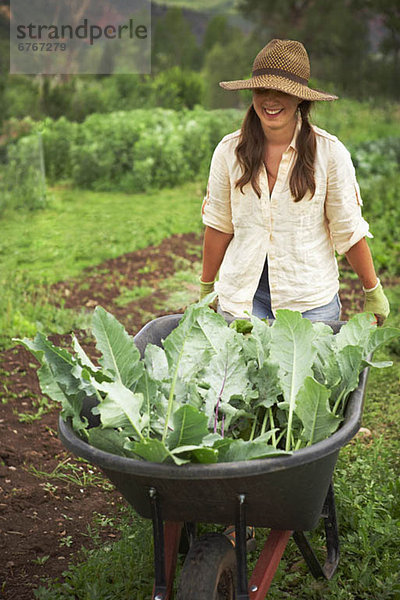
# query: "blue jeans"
[262,304]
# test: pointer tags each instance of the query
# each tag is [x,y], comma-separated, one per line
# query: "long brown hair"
[250,153]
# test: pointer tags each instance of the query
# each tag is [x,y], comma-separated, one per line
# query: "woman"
[281,198]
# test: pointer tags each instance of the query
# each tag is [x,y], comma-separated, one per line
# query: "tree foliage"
[346,39]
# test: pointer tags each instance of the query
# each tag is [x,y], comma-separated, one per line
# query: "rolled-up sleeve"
[216,209]
[343,201]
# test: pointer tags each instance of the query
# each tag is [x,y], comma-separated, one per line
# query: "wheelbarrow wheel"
[209,570]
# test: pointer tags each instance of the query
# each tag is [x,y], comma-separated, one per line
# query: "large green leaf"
[188,392]
[314,411]
[322,342]
[152,450]
[120,406]
[82,356]
[189,427]
[215,330]
[192,453]
[292,349]
[226,374]
[57,379]
[380,336]
[71,404]
[60,361]
[231,414]
[120,355]
[186,347]
[108,440]
[355,332]
[154,403]
[261,334]
[156,363]
[266,382]
[205,455]
[230,450]
[185,354]
[349,362]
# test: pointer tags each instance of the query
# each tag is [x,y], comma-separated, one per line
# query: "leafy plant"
[211,393]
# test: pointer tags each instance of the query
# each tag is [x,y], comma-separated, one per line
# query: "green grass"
[83,228]
[118,570]
[130,295]
[78,230]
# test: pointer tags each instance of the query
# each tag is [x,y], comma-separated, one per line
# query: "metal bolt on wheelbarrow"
[288,494]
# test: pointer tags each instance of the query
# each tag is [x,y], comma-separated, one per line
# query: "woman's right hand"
[206,287]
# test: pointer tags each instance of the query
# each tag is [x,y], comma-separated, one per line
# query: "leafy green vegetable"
[120,356]
[314,411]
[212,393]
[293,350]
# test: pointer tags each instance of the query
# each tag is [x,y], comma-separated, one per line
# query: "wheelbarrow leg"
[241,550]
[166,544]
[327,570]
[268,563]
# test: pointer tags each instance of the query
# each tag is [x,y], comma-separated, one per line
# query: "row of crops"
[146,149]
[133,151]
[128,151]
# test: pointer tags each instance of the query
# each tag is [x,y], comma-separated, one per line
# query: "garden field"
[65,533]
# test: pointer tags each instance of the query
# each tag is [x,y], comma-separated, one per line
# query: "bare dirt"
[43,520]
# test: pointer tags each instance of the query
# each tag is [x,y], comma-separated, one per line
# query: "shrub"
[22,179]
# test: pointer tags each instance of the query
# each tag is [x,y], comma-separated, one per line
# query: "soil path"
[43,520]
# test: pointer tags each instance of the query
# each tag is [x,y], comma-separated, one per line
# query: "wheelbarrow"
[289,495]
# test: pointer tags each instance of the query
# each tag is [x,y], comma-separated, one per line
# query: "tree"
[218,31]
[336,35]
[174,44]
[280,18]
[227,62]
[387,14]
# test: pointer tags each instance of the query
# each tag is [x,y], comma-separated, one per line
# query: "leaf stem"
[271,420]
[99,396]
[264,423]
[338,401]
[253,428]
[220,395]
[171,394]
[289,425]
[146,377]
[281,436]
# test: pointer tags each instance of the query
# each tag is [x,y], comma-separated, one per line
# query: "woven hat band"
[280,73]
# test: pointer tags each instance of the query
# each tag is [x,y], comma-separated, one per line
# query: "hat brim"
[275,82]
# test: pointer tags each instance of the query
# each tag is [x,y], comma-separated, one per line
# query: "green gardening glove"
[206,287]
[376,302]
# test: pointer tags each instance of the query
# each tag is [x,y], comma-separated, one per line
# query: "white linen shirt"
[300,238]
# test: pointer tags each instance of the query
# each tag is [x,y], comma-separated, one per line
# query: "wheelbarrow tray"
[284,493]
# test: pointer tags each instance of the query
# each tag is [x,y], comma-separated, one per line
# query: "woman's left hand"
[376,302]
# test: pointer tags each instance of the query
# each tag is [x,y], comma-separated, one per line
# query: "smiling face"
[276,111]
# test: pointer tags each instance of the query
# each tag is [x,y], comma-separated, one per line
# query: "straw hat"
[281,65]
